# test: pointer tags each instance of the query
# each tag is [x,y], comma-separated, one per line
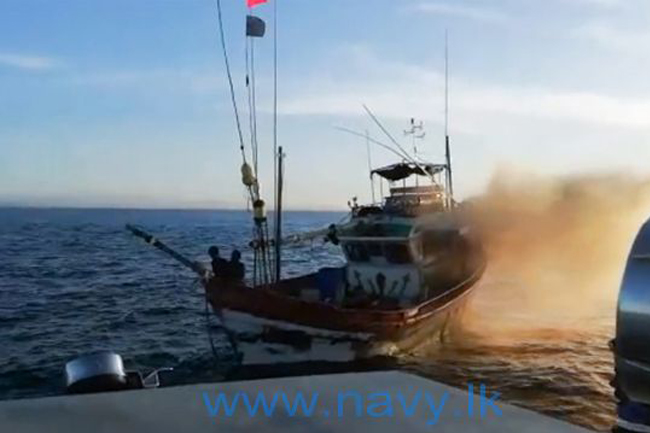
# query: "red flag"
[253,3]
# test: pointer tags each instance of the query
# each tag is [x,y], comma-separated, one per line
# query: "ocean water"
[75,281]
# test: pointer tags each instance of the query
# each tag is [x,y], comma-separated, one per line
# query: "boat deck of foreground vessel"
[183,409]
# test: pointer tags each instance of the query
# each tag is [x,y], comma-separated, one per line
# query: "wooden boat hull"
[273,327]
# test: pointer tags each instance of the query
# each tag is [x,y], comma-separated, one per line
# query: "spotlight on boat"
[104,372]
[632,344]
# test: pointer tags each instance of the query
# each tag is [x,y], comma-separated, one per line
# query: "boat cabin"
[408,196]
[405,261]
[405,250]
[402,249]
[382,267]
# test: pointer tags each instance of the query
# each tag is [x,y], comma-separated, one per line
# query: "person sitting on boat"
[220,266]
[332,235]
[237,270]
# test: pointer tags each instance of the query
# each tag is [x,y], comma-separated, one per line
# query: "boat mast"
[450,183]
[277,153]
[278,215]
[262,268]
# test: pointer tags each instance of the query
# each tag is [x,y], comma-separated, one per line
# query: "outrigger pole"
[371,140]
[198,268]
[405,154]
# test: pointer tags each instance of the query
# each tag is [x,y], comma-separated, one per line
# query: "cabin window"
[397,253]
[357,252]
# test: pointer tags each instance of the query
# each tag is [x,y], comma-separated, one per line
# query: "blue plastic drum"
[329,280]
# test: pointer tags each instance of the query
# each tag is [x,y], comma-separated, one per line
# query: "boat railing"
[396,239]
[416,190]
[413,204]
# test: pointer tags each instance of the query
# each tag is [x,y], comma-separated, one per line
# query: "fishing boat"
[411,257]
[412,262]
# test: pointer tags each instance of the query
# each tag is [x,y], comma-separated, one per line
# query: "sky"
[126,103]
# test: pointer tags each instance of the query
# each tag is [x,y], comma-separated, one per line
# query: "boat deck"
[182,409]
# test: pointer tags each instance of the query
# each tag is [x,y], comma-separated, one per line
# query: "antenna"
[417,133]
[275,82]
[446,83]
[450,182]
[372,183]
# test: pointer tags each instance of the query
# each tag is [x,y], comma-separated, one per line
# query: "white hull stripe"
[268,353]
[243,322]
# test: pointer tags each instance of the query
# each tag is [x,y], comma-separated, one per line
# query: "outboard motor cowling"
[632,344]
[104,372]
[98,372]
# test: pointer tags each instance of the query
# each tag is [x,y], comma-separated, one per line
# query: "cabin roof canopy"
[403,170]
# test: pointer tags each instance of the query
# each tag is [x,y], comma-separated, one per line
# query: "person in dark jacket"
[220,266]
[237,268]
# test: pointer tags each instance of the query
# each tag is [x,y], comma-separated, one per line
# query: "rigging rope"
[232,87]
[230,336]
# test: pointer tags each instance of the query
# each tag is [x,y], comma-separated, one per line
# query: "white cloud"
[471,12]
[28,62]
[615,38]
[401,90]
[587,107]
[601,3]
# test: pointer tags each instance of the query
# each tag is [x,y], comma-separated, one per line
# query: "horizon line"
[128,208]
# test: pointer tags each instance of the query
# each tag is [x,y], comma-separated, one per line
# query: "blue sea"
[74,281]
